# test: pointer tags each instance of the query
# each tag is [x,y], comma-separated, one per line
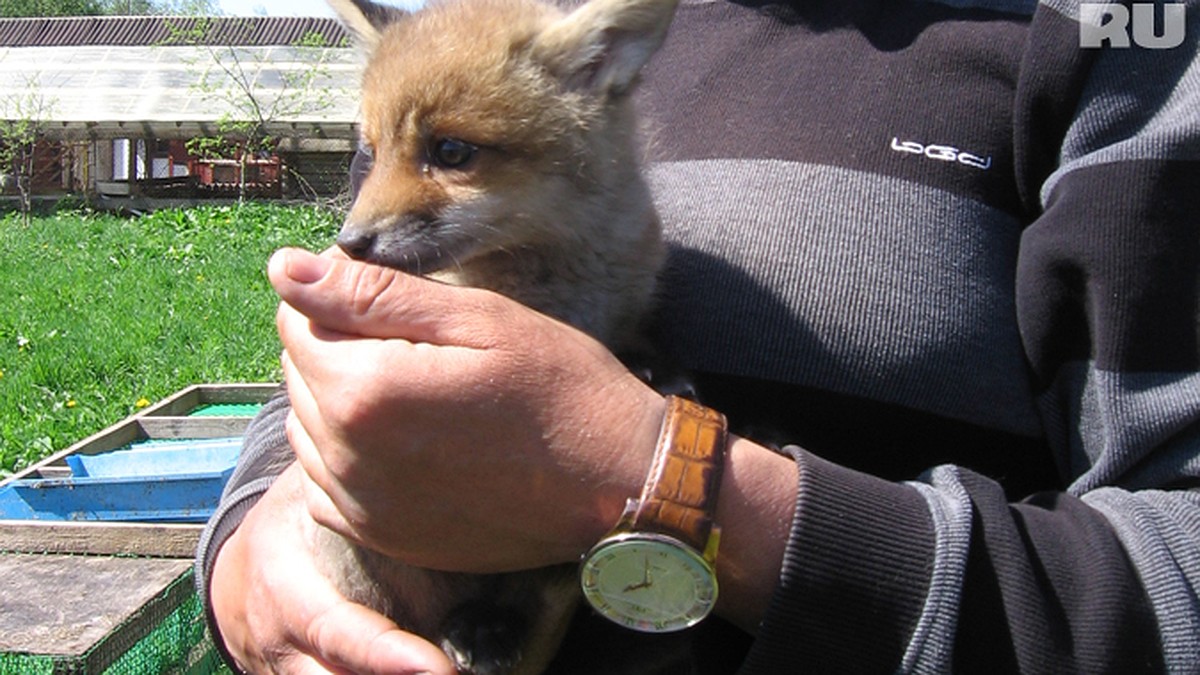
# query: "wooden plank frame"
[163,420]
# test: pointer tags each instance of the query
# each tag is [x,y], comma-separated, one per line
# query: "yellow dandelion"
[71,403]
[141,403]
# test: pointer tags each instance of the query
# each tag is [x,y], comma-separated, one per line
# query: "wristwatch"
[654,572]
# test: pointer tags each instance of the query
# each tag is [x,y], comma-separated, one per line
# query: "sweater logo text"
[942,153]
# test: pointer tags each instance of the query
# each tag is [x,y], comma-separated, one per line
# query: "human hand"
[453,428]
[278,614]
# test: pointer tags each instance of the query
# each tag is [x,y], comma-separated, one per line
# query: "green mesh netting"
[167,636]
[23,664]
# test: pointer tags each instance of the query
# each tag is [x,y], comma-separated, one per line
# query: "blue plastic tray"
[159,458]
[153,481]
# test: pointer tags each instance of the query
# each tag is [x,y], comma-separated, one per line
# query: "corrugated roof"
[119,91]
[158,30]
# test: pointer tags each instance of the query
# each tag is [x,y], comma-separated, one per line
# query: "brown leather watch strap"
[680,495]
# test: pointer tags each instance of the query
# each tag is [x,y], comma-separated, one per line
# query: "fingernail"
[304,267]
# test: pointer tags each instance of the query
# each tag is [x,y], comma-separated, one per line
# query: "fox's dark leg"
[514,625]
[483,638]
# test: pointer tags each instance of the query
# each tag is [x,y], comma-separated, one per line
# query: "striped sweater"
[953,257]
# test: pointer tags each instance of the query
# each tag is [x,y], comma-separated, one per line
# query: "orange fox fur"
[552,209]
[504,156]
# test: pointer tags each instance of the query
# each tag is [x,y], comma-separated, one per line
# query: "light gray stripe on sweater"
[1125,83]
[1107,424]
[922,317]
[931,649]
[1161,532]
[1138,432]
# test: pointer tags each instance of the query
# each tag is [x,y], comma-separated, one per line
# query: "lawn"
[101,315]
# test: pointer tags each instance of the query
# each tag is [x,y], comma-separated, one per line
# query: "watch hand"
[646,581]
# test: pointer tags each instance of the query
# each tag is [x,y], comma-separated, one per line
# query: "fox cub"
[504,156]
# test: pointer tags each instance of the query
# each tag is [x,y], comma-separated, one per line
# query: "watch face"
[649,583]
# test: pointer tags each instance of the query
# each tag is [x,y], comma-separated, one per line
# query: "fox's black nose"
[356,244]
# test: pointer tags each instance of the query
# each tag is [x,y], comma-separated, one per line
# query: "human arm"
[272,627]
[488,399]
[855,532]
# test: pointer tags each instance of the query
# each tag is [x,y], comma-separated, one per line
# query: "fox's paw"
[484,639]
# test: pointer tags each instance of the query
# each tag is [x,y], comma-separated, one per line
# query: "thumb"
[278,612]
[358,298]
[351,636]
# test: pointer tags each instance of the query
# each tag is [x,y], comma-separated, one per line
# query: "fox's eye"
[451,153]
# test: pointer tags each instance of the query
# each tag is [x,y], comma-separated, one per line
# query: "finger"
[335,252]
[303,406]
[317,481]
[323,509]
[371,301]
[345,368]
[348,635]
[299,663]
[322,631]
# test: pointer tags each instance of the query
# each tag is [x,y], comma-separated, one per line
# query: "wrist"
[641,424]
[654,572]
[226,597]
[233,581]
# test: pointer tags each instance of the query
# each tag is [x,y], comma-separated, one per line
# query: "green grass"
[100,314]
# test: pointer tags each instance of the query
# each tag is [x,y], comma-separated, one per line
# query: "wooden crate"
[81,596]
[168,419]
[81,614]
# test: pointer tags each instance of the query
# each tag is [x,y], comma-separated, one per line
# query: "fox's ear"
[602,46]
[365,19]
